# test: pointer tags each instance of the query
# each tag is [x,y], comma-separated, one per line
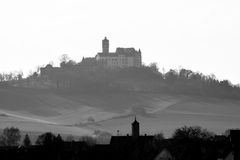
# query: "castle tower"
[105,45]
[135,129]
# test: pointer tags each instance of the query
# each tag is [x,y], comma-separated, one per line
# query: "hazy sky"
[199,35]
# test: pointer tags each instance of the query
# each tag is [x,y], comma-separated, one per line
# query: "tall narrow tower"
[105,45]
[135,129]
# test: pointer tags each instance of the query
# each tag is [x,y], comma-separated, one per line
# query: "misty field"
[34,110]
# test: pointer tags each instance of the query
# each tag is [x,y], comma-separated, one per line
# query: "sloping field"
[41,111]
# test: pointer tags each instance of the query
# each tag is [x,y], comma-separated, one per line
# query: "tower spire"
[135,128]
[105,45]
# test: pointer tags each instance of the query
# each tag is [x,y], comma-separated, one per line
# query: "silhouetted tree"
[10,136]
[58,139]
[46,139]
[188,143]
[192,132]
[159,137]
[27,141]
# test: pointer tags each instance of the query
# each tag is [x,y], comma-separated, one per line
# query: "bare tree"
[154,67]
[47,138]
[10,137]
[64,58]
[1,77]
[20,75]
[192,132]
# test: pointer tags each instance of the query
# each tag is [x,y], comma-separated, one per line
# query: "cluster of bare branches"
[11,76]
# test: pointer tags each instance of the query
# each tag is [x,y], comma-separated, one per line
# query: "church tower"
[135,129]
[105,45]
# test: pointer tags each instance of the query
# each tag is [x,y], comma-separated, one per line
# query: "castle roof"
[107,54]
[120,50]
[128,52]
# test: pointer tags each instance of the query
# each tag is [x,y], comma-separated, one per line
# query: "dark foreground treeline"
[187,143]
[179,150]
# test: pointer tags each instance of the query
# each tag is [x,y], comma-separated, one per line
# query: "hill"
[41,110]
[82,78]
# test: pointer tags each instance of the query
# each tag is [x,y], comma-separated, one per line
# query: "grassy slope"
[42,110]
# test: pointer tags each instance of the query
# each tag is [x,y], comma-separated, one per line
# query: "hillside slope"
[43,110]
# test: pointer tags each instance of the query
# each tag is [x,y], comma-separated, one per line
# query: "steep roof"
[126,50]
[164,155]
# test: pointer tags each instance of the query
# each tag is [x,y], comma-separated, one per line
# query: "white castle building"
[122,57]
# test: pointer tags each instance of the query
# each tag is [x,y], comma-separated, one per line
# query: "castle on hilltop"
[122,57]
